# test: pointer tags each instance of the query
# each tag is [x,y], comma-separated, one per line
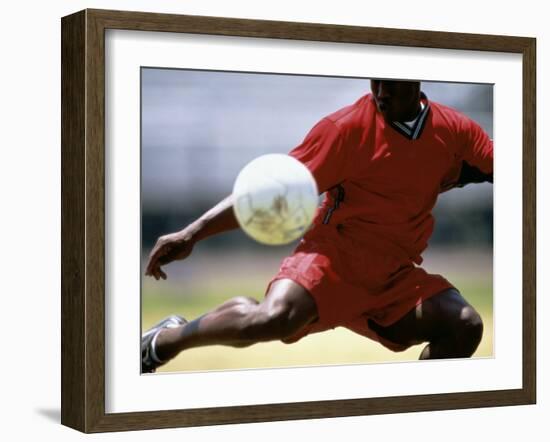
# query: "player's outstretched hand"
[168,248]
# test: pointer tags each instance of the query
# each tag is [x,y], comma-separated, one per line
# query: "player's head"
[396,100]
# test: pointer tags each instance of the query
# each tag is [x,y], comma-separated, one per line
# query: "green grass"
[335,347]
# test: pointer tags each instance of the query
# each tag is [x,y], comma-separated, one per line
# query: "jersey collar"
[413,132]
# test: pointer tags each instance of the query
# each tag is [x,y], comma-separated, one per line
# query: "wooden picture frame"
[83,219]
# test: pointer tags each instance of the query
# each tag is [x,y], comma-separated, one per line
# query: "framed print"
[161,113]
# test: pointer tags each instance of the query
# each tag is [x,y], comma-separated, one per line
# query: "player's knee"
[469,329]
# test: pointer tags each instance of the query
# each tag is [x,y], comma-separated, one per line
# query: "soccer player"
[382,162]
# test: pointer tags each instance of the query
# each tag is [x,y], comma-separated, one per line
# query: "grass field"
[195,291]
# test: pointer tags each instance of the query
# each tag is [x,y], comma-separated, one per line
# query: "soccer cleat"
[149,359]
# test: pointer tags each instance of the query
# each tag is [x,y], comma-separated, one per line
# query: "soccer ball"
[275,199]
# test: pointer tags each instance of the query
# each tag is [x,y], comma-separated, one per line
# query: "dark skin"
[396,100]
[451,327]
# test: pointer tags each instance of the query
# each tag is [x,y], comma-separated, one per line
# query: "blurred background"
[199,128]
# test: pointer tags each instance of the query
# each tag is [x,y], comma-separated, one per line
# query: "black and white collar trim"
[415,130]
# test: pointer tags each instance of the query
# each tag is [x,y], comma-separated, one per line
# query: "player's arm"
[179,245]
[477,155]
[221,218]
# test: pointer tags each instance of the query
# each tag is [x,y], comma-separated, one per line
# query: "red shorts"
[352,283]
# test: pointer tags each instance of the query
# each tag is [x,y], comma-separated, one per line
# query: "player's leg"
[451,326]
[460,323]
[242,321]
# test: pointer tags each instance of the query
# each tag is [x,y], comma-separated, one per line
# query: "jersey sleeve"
[324,153]
[477,154]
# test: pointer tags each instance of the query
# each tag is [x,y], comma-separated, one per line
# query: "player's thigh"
[436,316]
[291,301]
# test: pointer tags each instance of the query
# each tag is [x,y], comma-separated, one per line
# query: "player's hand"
[168,248]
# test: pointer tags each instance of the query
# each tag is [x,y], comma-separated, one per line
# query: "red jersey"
[382,179]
